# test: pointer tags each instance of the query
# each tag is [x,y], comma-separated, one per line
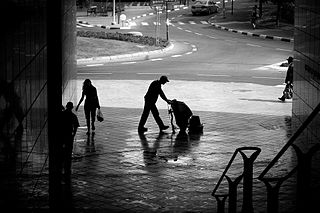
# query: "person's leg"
[144,116]
[157,118]
[93,118]
[87,115]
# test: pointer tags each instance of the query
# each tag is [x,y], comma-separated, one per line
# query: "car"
[204,7]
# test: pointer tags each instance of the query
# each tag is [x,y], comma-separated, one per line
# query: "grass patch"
[95,47]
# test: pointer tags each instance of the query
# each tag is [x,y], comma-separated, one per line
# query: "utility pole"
[224,9]
[167,21]
[114,12]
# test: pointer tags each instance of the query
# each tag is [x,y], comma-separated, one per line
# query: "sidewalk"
[118,170]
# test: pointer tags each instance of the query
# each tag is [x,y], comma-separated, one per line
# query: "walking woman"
[90,104]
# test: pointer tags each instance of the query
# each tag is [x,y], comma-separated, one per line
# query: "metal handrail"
[291,141]
[229,164]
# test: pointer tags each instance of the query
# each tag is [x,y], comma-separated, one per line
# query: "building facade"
[307,95]
[37,42]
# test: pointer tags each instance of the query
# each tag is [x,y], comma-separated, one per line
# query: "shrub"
[145,40]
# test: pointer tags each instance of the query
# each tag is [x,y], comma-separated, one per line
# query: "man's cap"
[290,58]
[69,105]
[164,78]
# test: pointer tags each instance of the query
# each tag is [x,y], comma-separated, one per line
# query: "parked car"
[204,7]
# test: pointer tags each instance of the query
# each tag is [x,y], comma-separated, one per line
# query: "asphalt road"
[205,54]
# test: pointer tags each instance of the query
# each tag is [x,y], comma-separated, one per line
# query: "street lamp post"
[114,12]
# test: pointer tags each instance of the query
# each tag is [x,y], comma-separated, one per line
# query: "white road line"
[150,14]
[129,62]
[133,23]
[212,75]
[181,23]
[94,65]
[85,25]
[144,23]
[198,34]
[283,50]
[188,53]
[156,59]
[155,23]
[265,77]
[179,28]
[254,45]
[188,31]
[192,22]
[175,56]
[94,73]
[211,37]
[204,22]
[152,73]
[143,15]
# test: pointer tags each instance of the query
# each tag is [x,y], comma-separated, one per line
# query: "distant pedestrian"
[150,100]
[69,126]
[287,93]
[91,104]
[254,16]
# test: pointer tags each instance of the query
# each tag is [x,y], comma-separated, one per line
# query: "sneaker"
[142,129]
[281,99]
[164,128]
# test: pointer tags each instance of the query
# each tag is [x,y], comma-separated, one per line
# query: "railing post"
[233,185]
[273,192]
[221,202]
[303,178]
[247,206]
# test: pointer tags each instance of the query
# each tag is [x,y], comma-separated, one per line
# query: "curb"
[253,34]
[125,56]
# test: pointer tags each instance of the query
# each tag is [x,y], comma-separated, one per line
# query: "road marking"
[144,23]
[265,77]
[156,23]
[133,23]
[188,31]
[254,45]
[198,34]
[204,22]
[212,75]
[181,23]
[179,28]
[129,62]
[211,37]
[275,66]
[94,65]
[175,56]
[85,25]
[283,50]
[192,22]
[188,53]
[156,59]
[94,73]
[152,73]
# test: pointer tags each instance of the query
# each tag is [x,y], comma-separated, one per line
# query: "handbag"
[99,115]
[288,91]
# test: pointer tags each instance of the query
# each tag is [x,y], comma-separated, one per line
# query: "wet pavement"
[120,170]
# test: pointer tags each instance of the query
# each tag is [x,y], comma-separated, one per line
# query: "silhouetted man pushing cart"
[150,100]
